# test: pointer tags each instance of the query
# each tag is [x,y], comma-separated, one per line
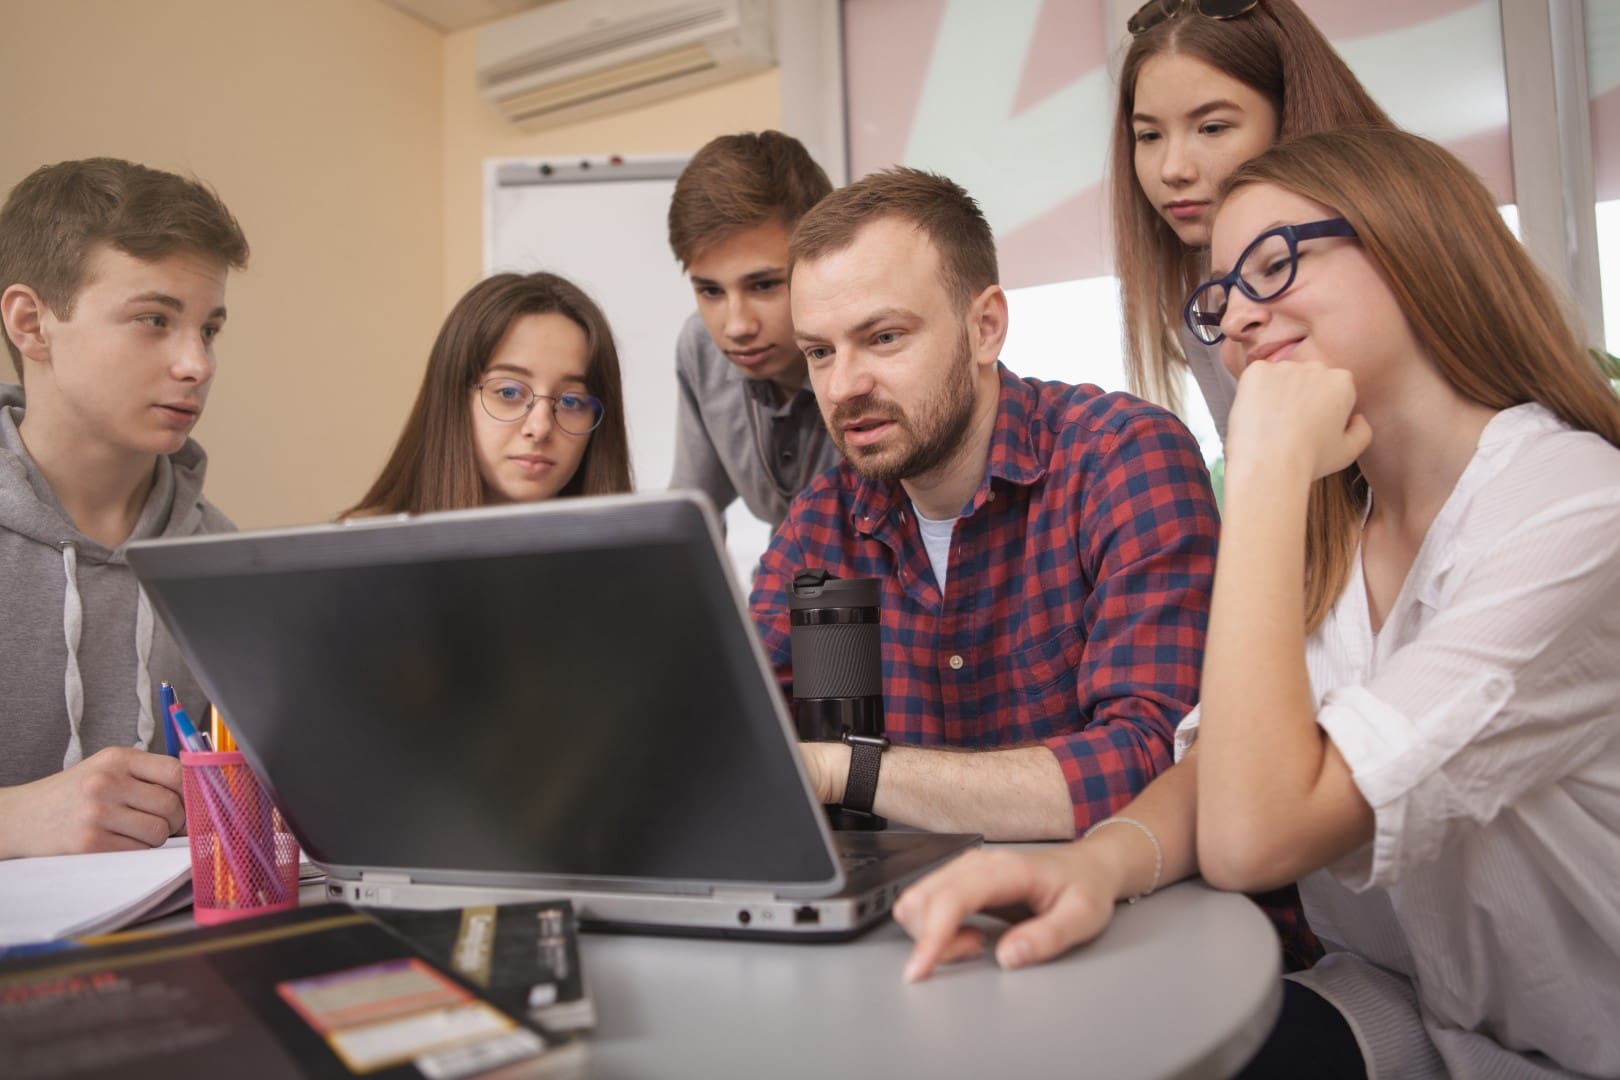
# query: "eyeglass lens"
[508,400]
[1265,270]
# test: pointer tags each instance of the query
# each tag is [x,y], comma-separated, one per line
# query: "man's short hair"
[53,219]
[946,214]
[737,182]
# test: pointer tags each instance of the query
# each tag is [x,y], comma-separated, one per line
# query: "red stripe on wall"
[1067,242]
[1340,21]
[1606,145]
[887,48]
[1070,39]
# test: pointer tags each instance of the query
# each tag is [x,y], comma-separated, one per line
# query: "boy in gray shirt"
[112,292]
[747,424]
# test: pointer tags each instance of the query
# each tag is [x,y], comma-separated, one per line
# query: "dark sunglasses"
[1154,12]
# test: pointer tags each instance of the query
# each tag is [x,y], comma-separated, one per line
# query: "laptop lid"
[559,695]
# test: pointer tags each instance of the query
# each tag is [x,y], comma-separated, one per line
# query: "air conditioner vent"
[573,59]
[653,30]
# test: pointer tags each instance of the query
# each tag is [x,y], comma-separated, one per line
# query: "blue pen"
[35,948]
[194,739]
[168,702]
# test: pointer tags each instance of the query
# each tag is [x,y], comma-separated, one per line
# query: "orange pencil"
[223,740]
[225,885]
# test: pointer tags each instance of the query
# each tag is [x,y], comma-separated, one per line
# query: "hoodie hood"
[30,508]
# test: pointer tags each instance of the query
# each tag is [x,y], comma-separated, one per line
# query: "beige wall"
[349,140]
[320,124]
[473,132]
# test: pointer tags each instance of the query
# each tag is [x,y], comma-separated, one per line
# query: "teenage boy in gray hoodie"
[113,279]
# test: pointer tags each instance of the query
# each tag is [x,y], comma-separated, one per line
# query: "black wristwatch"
[865,758]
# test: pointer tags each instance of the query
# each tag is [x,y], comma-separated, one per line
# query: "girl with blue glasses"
[1410,697]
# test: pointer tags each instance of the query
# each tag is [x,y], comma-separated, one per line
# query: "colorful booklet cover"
[523,957]
[321,992]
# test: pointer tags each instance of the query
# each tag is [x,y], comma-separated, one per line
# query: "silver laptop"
[560,699]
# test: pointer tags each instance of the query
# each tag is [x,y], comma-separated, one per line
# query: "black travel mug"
[837,665]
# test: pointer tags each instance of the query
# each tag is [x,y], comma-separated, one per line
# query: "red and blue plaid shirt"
[1077,590]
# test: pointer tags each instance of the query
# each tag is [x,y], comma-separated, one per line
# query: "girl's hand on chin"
[1298,412]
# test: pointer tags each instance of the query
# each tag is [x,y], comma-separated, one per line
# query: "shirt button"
[990,497]
[956,662]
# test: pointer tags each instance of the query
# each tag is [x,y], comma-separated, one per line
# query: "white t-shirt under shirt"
[936,538]
[1478,934]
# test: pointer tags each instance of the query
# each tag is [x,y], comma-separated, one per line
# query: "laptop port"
[808,915]
[744,917]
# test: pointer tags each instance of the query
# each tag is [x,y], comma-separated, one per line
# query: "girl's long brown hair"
[433,466]
[1280,54]
[1476,303]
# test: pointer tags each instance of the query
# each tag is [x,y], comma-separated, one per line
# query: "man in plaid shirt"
[1046,551]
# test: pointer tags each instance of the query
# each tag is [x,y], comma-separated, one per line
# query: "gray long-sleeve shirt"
[733,440]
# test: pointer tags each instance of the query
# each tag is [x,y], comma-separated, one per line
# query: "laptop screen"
[569,689]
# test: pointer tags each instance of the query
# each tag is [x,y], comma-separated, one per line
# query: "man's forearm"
[1018,794]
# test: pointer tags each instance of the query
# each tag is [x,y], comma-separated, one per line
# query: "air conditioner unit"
[570,60]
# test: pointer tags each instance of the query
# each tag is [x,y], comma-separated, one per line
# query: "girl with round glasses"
[1205,86]
[1410,700]
[521,401]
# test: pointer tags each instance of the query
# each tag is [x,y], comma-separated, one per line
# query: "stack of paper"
[59,896]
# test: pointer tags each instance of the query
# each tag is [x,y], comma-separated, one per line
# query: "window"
[1603,83]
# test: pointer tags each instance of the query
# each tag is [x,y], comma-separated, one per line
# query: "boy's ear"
[23,313]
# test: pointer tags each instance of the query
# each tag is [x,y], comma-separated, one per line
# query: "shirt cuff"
[1187,733]
[1398,766]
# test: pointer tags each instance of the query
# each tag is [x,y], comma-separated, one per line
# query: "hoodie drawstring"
[73,682]
[72,627]
[143,678]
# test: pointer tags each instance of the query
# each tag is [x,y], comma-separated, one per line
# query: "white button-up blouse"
[1478,933]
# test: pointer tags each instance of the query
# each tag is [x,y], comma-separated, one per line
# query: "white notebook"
[58,896]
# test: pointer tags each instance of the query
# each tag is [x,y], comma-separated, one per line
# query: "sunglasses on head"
[1154,12]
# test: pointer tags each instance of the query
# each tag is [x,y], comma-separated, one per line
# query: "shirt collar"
[762,391]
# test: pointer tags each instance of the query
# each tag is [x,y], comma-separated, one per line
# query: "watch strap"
[865,759]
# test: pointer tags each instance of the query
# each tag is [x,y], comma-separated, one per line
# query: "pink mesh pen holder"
[244,861]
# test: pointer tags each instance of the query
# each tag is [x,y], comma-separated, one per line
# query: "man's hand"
[119,799]
[1072,900]
[827,764]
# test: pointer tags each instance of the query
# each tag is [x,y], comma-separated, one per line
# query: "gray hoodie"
[81,654]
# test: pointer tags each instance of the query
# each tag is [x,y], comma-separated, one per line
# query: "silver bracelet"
[1158,852]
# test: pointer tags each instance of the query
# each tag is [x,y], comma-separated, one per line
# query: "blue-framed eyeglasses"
[1263,272]
[509,401]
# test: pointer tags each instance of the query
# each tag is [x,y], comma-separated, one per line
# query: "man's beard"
[927,438]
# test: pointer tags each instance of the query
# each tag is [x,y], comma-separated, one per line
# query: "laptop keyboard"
[854,860]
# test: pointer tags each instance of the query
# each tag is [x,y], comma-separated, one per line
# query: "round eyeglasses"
[1263,272]
[1154,12]
[509,401]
